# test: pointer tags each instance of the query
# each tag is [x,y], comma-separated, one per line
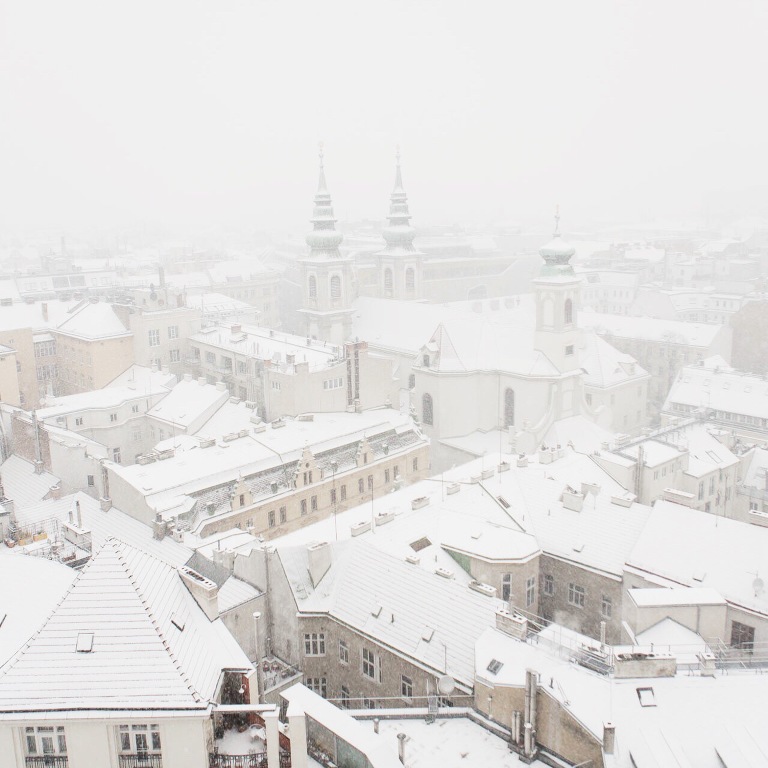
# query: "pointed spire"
[322,186]
[398,174]
[324,240]
[557,221]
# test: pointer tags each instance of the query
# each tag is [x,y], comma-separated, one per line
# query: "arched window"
[412,381]
[410,280]
[427,416]
[335,287]
[312,287]
[388,282]
[509,407]
[568,311]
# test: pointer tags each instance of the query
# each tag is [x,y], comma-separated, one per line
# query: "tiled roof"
[123,614]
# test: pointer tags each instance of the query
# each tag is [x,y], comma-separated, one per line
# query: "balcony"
[46,761]
[140,760]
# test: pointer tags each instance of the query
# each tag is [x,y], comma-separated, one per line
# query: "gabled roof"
[22,484]
[93,321]
[114,642]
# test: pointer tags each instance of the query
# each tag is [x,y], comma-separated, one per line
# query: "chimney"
[105,503]
[44,307]
[609,738]
[205,592]
[319,556]
[531,684]
[78,514]
[236,328]
[159,527]
[401,737]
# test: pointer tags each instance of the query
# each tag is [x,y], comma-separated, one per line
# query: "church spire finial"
[322,186]
[557,220]
[398,174]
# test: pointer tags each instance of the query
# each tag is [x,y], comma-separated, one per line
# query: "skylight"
[646,697]
[420,544]
[504,503]
[84,642]
[494,666]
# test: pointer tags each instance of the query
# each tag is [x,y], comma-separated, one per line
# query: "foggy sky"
[197,114]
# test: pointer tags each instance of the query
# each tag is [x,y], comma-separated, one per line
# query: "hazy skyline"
[206,114]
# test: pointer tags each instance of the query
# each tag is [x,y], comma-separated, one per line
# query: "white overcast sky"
[191,113]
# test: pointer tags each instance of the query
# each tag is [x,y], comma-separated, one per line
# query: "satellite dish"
[446,684]
[758,585]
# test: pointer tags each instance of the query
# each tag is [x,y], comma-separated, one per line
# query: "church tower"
[557,291]
[326,275]
[399,264]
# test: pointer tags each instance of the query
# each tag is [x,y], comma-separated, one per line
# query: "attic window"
[420,544]
[84,642]
[504,503]
[178,622]
[494,666]
[646,697]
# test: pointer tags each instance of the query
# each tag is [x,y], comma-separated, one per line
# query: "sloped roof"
[22,484]
[413,604]
[93,321]
[139,659]
[604,365]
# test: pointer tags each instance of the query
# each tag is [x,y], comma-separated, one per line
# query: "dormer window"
[425,361]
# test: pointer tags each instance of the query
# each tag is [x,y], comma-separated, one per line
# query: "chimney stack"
[44,307]
[609,738]
[401,747]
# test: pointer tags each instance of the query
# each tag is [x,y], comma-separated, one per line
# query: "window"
[283,515]
[386,475]
[333,496]
[742,636]
[303,506]
[360,485]
[335,287]
[701,490]
[371,665]
[411,381]
[113,417]
[313,504]
[319,685]
[173,331]
[415,465]
[606,607]
[576,595]
[369,704]
[530,591]
[134,408]
[388,283]
[312,287]
[91,481]
[343,652]
[46,740]
[175,355]
[136,434]
[509,407]
[242,367]
[116,455]
[569,350]
[140,740]
[427,415]
[343,492]
[410,280]
[568,313]
[78,421]
[711,485]
[314,644]
[154,338]
[344,703]
[549,584]
[506,587]
[271,518]
[406,687]
[210,357]
[370,482]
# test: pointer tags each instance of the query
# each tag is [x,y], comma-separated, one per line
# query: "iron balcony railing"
[140,760]
[46,761]
[254,760]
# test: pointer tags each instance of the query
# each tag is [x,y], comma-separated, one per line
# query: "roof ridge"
[166,645]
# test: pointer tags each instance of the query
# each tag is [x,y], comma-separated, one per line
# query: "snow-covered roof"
[395,603]
[22,484]
[25,315]
[651,329]
[685,547]
[114,643]
[604,365]
[93,321]
[188,403]
[719,388]
[40,585]
[693,719]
